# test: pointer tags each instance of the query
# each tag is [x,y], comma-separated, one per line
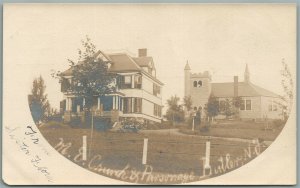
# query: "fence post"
[145,150]
[84,148]
[206,159]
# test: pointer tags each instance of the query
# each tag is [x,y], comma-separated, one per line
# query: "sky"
[221,39]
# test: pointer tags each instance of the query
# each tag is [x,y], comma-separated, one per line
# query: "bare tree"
[288,87]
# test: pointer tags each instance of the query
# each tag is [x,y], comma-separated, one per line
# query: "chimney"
[143,52]
[236,86]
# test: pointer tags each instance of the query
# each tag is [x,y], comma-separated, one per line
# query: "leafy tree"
[187,103]
[229,111]
[90,76]
[38,102]
[288,87]
[212,107]
[236,102]
[174,112]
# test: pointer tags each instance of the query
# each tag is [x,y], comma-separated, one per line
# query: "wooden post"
[207,155]
[92,130]
[84,148]
[145,150]
[206,159]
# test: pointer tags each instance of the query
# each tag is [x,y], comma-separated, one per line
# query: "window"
[132,105]
[245,104]
[125,82]
[197,83]
[157,110]
[248,104]
[242,106]
[272,106]
[156,90]
[127,105]
[137,81]
[65,84]
[127,79]
[137,105]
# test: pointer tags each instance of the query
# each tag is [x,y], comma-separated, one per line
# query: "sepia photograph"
[150,94]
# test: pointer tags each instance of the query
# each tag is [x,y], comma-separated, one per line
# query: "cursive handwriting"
[24,146]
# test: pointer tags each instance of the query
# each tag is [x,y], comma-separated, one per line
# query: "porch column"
[117,102]
[132,105]
[83,102]
[70,104]
[122,107]
[132,81]
[99,102]
[114,102]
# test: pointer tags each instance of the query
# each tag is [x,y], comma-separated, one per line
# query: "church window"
[242,106]
[248,105]
[195,83]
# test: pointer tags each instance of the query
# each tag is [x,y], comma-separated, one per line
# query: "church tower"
[247,75]
[187,77]
[198,86]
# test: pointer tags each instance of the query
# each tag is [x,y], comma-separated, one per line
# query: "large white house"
[138,92]
[256,102]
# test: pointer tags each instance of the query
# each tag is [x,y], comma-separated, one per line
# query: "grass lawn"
[121,153]
[238,129]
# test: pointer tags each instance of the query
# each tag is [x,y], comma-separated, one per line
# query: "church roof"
[244,90]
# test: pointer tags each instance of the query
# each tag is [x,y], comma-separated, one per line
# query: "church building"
[256,102]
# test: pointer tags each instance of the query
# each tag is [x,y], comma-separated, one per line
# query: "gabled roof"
[122,62]
[143,61]
[244,90]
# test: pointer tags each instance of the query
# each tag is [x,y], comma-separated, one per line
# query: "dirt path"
[175,132]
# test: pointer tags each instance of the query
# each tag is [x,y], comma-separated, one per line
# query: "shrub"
[206,127]
[277,123]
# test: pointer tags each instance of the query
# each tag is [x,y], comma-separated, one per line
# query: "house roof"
[143,61]
[121,62]
[244,90]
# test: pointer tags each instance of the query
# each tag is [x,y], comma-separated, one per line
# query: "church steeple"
[187,66]
[247,75]
[187,78]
